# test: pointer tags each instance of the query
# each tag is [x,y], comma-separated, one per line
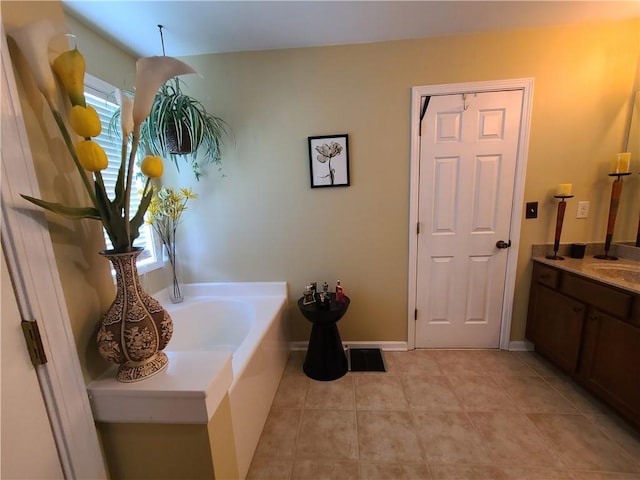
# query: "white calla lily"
[33,41]
[151,73]
[126,112]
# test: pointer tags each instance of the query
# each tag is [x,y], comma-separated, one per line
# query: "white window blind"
[99,95]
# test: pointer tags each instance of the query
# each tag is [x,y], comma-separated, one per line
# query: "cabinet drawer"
[546,275]
[605,298]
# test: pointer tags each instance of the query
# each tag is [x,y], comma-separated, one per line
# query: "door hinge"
[418,228]
[415,314]
[34,342]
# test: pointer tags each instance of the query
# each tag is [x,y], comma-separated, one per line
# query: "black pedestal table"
[325,358]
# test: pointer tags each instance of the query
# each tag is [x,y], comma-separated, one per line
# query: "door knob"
[503,244]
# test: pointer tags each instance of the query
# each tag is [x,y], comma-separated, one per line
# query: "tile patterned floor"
[444,414]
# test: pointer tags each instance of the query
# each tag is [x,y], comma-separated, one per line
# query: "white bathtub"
[247,321]
[228,338]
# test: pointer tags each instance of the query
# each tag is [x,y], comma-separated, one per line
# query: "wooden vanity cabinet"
[591,331]
[557,328]
[610,363]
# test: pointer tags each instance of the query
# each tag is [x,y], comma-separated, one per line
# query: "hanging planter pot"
[178,140]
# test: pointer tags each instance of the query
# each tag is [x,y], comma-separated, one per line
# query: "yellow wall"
[85,277]
[172,451]
[104,60]
[263,222]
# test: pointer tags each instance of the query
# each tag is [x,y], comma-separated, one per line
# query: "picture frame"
[329,161]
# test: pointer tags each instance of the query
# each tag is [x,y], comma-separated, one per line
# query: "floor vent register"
[365,360]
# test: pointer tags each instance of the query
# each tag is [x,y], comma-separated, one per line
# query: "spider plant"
[179,127]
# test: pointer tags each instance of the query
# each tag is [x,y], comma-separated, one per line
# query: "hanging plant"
[180,128]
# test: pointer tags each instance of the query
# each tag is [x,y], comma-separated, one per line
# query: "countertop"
[600,270]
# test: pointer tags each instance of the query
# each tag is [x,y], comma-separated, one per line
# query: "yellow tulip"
[69,67]
[91,156]
[85,121]
[152,166]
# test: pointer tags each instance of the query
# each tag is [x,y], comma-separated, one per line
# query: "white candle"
[564,190]
[621,163]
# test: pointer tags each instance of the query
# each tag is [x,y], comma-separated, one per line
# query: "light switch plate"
[583,209]
[532,210]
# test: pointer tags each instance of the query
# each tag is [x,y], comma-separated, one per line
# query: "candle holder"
[562,206]
[616,190]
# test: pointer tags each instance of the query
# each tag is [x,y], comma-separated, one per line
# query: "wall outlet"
[583,209]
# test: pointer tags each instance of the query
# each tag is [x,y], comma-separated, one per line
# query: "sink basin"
[627,273]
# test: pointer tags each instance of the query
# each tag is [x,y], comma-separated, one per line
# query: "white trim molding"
[386,346]
[524,84]
[521,346]
[34,274]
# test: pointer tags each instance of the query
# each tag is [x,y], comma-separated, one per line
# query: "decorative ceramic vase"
[174,274]
[136,328]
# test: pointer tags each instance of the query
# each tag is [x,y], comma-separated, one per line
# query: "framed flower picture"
[329,161]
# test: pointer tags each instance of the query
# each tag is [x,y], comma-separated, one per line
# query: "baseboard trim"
[514,346]
[520,346]
[386,346]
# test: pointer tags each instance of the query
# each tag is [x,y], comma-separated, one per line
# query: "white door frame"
[34,276]
[524,84]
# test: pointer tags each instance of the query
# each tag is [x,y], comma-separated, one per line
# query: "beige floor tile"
[291,392]
[376,392]
[336,395]
[328,434]
[619,431]
[280,432]
[501,363]
[458,362]
[413,362]
[480,394]
[306,469]
[267,468]
[294,364]
[534,394]
[444,414]
[467,472]
[539,364]
[606,476]
[449,438]
[512,439]
[524,473]
[582,400]
[492,472]
[432,393]
[394,471]
[388,437]
[582,445]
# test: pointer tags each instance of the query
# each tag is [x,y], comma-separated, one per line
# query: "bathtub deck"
[189,390]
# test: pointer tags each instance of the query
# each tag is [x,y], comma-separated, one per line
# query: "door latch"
[34,342]
[503,244]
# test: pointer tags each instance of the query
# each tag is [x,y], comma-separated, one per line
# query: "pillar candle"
[564,189]
[621,163]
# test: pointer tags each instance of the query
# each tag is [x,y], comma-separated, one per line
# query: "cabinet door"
[555,326]
[611,362]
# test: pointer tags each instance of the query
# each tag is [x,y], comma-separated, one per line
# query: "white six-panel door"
[468,152]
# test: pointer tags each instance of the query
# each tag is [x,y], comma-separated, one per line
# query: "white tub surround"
[229,341]
[189,390]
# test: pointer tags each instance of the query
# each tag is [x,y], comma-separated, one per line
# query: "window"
[99,95]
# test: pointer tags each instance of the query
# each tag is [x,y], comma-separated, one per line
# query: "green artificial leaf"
[138,218]
[70,212]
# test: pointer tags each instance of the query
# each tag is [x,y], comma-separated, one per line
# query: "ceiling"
[202,27]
